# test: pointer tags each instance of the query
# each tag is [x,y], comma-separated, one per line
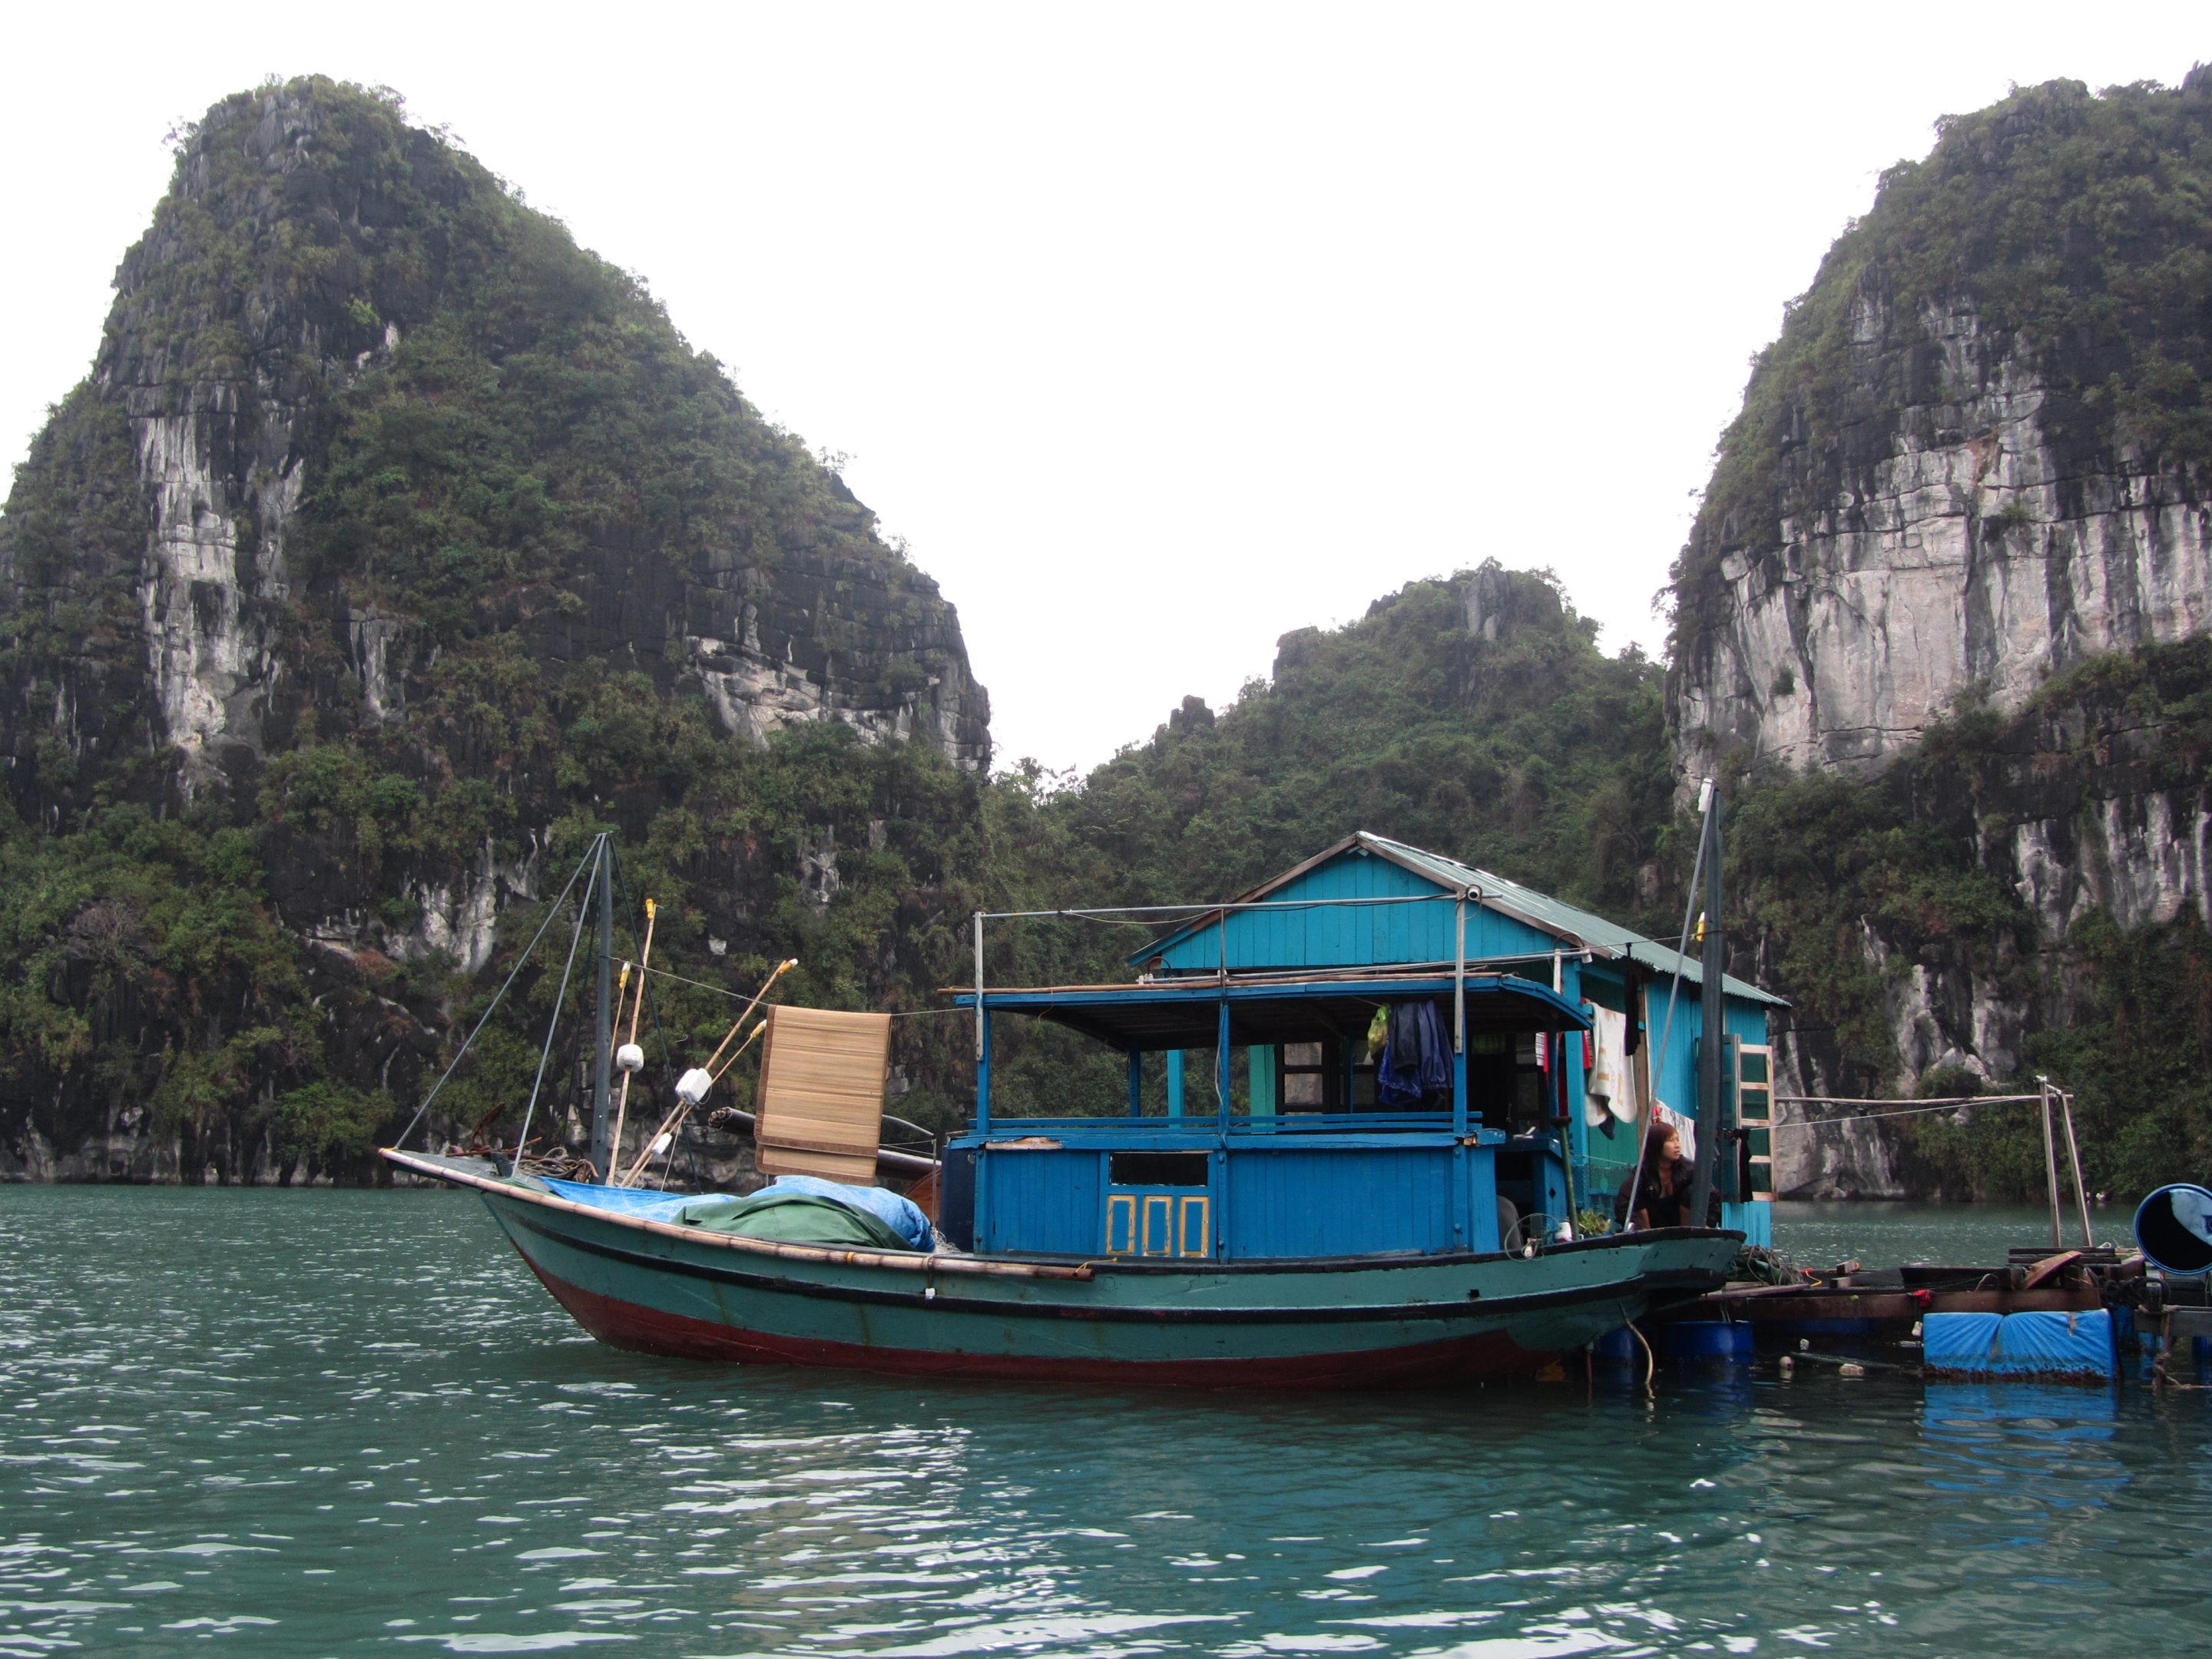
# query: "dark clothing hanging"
[1417,1060]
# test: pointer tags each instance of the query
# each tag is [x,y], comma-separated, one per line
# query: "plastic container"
[1618,1347]
[1724,1340]
[2170,1228]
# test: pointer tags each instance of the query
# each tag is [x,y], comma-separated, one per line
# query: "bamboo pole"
[781,969]
[644,1157]
[758,1027]
[674,1121]
[614,1146]
[2074,1157]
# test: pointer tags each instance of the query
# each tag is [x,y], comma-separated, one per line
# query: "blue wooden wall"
[1267,1201]
[1344,936]
[1318,1202]
[1044,1200]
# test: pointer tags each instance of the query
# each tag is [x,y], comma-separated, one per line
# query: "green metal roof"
[1578,929]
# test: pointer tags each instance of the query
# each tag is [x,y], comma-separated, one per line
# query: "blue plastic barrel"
[2173,1228]
[1618,1347]
[1709,1339]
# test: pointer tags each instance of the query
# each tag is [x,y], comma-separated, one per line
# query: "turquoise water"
[302,1423]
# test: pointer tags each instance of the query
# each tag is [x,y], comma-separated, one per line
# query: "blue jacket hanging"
[1417,1058]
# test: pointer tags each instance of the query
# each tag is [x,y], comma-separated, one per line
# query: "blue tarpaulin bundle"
[2020,1345]
[910,1227]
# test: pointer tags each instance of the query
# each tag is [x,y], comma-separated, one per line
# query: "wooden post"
[2074,1157]
[2050,1158]
[1175,1083]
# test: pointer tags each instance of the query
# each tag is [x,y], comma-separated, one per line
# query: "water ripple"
[307,1423]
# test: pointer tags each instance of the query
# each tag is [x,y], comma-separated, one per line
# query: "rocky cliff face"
[397,534]
[1973,475]
[2038,849]
[1959,542]
[1977,455]
[307,237]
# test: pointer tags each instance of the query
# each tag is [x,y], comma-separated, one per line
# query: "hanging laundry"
[1610,1095]
[1416,1057]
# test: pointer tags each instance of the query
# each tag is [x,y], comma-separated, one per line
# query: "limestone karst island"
[540,1037]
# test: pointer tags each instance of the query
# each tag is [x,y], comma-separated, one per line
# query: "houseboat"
[1376,1113]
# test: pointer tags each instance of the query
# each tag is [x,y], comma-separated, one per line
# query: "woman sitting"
[1662,1185]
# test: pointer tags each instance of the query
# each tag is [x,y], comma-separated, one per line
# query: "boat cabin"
[1380,1051]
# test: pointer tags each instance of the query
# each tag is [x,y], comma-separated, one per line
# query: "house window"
[1310,1076]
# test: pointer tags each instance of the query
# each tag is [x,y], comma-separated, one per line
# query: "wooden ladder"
[1754,1113]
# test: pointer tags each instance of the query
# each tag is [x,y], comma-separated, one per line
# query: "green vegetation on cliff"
[2079,225]
[1474,716]
[1826,866]
[259,802]
[540,571]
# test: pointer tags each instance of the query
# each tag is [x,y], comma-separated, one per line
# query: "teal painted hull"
[1362,1321]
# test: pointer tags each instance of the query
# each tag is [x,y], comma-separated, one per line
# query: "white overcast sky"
[1158,330]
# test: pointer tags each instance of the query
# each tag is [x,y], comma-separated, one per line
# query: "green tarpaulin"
[793,1219]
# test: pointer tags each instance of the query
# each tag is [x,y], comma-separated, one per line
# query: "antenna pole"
[603,1056]
[1712,1044]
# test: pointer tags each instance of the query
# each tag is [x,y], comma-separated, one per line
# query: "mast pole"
[602,1149]
[1712,1044]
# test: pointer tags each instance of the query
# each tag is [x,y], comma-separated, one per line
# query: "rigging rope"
[553,910]
[560,997]
[1958,1104]
[740,996]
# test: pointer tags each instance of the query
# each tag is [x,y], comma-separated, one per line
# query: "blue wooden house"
[1291,1137]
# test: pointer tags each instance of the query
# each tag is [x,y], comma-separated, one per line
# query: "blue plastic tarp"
[1958,1341]
[2022,1344]
[624,1200]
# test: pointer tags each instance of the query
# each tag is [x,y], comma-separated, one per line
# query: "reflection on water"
[300,1423]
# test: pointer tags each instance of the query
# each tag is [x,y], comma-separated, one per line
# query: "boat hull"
[1358,1323]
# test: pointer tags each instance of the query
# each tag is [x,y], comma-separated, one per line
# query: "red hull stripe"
[1489,1356]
